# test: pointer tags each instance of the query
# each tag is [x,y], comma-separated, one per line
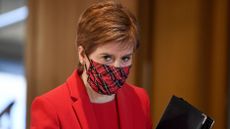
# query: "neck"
[93,95]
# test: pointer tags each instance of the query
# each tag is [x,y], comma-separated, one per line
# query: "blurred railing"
[5,116]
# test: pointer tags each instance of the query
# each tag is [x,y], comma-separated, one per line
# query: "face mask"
[105,79]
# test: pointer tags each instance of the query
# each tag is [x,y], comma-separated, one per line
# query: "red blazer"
[68,107]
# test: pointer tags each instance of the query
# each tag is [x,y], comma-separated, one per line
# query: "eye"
[126,59]
[107,58]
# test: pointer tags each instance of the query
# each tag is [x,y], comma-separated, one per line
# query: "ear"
[81,54]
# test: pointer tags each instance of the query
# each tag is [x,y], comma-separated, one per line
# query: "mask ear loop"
[86,67]
[88,60]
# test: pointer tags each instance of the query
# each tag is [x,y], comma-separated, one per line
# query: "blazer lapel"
[81,103]
[124,110]
[85,114]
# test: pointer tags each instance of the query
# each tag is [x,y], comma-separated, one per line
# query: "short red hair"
[106,22]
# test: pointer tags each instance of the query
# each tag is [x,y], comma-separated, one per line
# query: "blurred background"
[184,52]
[13,14]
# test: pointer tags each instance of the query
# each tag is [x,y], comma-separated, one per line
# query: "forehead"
[114,48]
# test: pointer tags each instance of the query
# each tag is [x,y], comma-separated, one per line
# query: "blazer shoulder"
[46,109]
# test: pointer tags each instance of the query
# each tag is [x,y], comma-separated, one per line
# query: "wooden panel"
[177,67]
[190,55]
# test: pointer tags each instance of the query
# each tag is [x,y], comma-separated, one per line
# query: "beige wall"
[183,50]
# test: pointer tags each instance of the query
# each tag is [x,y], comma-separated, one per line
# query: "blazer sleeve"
[148,111]
[43,115]
[149,122]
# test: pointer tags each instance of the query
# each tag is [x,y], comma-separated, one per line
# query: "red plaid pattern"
[106,79]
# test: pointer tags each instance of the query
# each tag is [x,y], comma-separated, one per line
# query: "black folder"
[179,114]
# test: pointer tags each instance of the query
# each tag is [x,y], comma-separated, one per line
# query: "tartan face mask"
[105,79]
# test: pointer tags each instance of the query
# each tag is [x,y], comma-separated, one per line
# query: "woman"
[96,96]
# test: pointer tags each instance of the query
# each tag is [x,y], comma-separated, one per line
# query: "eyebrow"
[112,55]
[128,54]
[105,54]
